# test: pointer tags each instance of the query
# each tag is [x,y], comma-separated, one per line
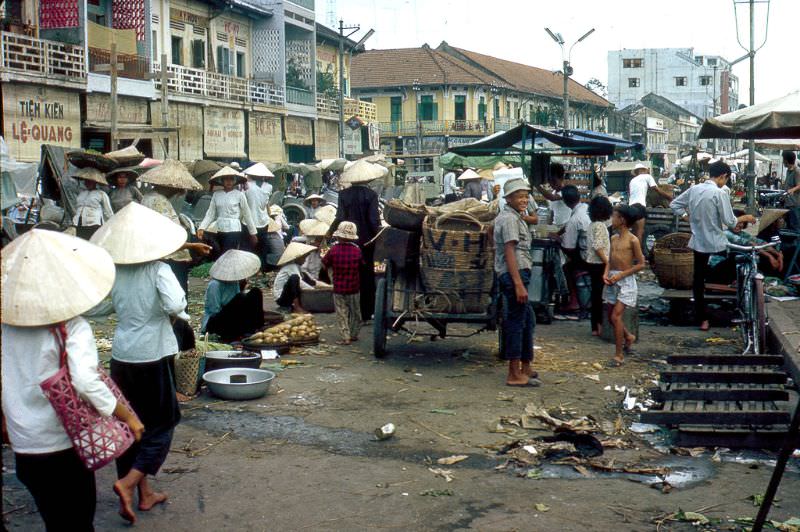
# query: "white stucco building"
[702,84]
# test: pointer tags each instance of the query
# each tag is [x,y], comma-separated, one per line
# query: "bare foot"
[630,339]
[125,502]
[704,326]
[520,381]
[182,398]
[529,371]
[146,502]
[595,333]
[616,362]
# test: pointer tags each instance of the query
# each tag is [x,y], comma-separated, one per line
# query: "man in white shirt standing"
[641,183]
[449,186]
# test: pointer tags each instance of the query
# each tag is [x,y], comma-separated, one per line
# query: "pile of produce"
[301,328]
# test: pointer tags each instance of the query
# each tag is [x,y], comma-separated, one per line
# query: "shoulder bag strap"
[60,332]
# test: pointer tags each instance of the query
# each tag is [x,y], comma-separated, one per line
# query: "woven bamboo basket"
[455,232]
[673,261]
[457,260]
[189,368]
[458,291]
[404,216]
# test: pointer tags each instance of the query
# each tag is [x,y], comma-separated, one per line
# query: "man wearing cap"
[641,183]
[512,264]
[792,187]
[709,210]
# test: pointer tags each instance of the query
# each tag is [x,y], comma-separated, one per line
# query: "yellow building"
[429,100]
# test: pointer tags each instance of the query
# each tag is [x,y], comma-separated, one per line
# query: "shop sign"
[223,132]
[298,131]
[326,145]
[266,138]
[36,115]
[187,143]
[129,110]
[352,141]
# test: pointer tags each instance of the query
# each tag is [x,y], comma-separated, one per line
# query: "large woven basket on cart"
[457,291]
[455,232]
[673,261]
[404,216]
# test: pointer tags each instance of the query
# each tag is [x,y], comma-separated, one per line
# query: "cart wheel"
[379,321]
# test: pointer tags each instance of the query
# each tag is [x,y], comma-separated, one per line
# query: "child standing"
[621,290]
[345,259]
[597,254]
[512,264]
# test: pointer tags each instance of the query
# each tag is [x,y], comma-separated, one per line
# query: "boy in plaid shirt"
[344,258]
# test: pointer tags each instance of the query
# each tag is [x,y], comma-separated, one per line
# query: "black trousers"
[63,489]
[181,271]
[86,231]
[150,389]
[241,315]
[367,278]
[291,291]
[232,240]
[596,275]
[698,285]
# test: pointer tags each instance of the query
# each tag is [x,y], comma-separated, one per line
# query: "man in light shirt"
[709,210]
[641,183]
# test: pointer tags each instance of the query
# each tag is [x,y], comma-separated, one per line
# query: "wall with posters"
[129,110]
[223,133]
[266,138]
[352,141]
[298,131]
[326,139]
[187,143]
[34,115]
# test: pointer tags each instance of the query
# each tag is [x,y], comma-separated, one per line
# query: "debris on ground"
[541,507]
[437,493]
[446,474]
[450,460]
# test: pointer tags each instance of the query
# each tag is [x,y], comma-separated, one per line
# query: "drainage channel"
[684,471]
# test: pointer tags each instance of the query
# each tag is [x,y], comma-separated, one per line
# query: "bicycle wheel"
[759,316]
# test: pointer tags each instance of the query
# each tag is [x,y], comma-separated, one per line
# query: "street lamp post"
[417,87]
[567,68]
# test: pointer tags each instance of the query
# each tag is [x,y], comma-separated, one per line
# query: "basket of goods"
[299,330]
[405,216]
[457,263]
[91,159]
[673,261]
[189,369]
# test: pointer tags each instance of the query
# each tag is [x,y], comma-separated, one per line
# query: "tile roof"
[401,66]
[526,78]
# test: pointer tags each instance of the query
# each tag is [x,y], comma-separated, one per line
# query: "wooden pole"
[114,118]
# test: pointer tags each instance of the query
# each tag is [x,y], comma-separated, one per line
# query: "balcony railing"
[299,96]
[327,106]
[134,66]
[366,111]
[441,127]
[40,57]
[198,82]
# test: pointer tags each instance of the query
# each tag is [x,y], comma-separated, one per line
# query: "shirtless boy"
[621,290]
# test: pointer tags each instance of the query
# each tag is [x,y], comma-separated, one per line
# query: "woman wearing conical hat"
[92,206]
[230,311]
[146,296]
[123,190]
[269,243]
[48,280]
[169,180]
[227,210]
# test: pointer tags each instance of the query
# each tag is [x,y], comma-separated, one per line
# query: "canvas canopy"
[775,119]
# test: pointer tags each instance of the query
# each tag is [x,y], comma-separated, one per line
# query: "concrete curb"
[784,333]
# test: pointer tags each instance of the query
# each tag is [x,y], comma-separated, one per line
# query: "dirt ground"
[304,457]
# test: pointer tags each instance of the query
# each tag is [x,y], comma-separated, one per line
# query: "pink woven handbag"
[98,439]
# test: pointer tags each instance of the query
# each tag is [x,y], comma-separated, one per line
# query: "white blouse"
[229,210]
[257,202]
[92,208]
[145,296]
[31,355]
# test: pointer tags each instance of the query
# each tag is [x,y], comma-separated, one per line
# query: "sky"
[514,30]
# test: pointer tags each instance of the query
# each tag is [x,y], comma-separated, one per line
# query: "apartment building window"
[240,64]
[198,53]
[496,107]
[712,61]
[705,81]
[223,60]
[177,50]
[460,111]
[680,81]
[428,109]
[396,108]
[482,109]
[633,82]
[155,46]
[632,63]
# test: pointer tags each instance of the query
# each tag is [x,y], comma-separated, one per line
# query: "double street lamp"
[567,72]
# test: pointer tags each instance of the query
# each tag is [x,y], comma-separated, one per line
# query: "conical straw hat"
[273,226]
[487,174]
[326,214]
[258,170]
[49,277]
[172,174]
[137,234]
[226,171]
[294,251]
[499,165]
[308,199]
[131,172]
[468,174]
[91,174]
[128,156]
[362,172]
[313,227]
[769,217]
[275,210]
[235,265]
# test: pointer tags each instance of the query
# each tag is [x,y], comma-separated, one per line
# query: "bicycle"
[750,297]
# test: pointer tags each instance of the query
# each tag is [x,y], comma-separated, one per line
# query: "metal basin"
[247,383]
[232,359]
